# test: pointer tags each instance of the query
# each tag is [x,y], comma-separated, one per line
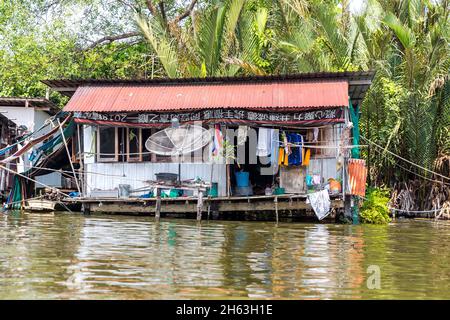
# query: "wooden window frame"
[77,155]
[74,155]
[116,142]
[134,158]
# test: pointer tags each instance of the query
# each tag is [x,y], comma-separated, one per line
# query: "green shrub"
[375,208]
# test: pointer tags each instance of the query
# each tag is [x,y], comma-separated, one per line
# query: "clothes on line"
[306,156]
[275,150]
[264,147]
[242,135]
[297,156]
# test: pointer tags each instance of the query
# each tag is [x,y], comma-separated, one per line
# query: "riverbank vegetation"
[375,208]
[406,112]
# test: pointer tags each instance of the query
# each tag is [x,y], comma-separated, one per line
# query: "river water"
[66,256]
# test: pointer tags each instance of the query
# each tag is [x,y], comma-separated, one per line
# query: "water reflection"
[66,256]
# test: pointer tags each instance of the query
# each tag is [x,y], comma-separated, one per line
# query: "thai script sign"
[228,115]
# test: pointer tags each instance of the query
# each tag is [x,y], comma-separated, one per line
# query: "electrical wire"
[406,160]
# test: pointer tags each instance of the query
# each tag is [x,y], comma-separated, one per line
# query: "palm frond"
[403,33]
[210,38]
[161,44]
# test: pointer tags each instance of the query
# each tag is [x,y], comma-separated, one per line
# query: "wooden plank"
[193,207]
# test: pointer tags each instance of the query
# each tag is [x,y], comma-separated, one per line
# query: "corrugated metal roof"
[359,81]
[39,103]
[164,97]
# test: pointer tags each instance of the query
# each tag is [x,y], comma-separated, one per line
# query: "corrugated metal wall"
[107,176]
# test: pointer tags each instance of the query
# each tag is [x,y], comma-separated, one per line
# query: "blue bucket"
[242,178]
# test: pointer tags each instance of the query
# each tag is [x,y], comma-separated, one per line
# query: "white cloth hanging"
[264,147]
[320,202]
[242,135]
[315,134]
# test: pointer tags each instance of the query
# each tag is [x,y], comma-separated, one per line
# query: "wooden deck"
[253,207]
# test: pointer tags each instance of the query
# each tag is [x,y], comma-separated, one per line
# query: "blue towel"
[295,158]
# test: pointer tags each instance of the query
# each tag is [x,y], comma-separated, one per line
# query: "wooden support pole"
[69,156]
[158,204]
[199,205]
[209,206]
[276,208]
[81,160]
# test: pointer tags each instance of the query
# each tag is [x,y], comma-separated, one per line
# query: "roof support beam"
[360,82]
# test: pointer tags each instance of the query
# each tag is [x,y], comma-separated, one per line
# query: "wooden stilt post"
[158,204]
[276,208]
[199,205]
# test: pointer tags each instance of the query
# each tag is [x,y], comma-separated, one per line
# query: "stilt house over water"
[272,141]
[18,118]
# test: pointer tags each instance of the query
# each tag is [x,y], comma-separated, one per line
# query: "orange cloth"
[283,158]
[306,155]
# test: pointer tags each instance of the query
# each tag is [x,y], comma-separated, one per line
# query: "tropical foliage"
[375,208]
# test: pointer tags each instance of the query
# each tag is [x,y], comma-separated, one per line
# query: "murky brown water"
[63,256]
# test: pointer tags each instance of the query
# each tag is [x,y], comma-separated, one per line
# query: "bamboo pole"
[69,156]
[83,188]
[35,181]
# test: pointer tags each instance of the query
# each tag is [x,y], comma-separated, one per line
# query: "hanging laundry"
[275,150]
[287,148]
[317,179]
[320,202]
[306,156]
[315,134]
[264,142]
[309,180]
[217,141]
[283,159]
[242,135]
[295,158]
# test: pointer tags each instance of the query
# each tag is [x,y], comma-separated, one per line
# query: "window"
[107,144]
[134,144]
[76,140]
[146,155]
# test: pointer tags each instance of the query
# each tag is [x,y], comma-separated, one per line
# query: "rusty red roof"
[126,97]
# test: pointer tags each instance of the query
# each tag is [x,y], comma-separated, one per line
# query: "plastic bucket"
[242,178]
[278,191]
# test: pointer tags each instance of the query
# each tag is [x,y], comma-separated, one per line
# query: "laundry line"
[69,174]
[281,145]
[417,174]
[33,180]
[406,160]
[80,172]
